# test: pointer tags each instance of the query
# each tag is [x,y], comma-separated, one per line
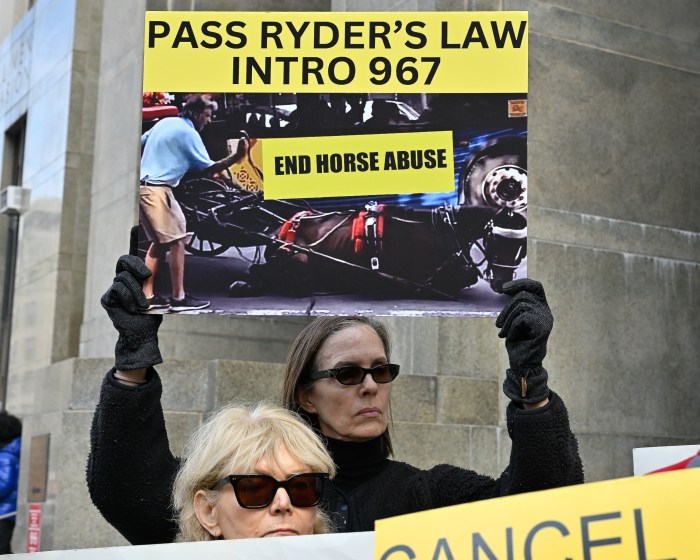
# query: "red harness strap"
[288,231]
[367,232]
[358,231]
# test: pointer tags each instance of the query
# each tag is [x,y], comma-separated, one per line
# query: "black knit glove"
[525,323]
[137,346]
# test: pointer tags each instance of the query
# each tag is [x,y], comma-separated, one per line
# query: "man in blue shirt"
[172,148]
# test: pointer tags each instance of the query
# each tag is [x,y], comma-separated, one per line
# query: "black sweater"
[130,469]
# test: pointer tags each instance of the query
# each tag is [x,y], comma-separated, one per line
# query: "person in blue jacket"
[10,445]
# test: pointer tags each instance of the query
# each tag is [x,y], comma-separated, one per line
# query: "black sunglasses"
[258,490]
[354,375]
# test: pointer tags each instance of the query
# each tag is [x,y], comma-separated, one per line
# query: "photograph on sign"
[326,200]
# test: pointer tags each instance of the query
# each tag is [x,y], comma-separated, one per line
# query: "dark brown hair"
[302,359]
[196,105]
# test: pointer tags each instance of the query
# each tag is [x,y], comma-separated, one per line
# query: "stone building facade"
[613,235]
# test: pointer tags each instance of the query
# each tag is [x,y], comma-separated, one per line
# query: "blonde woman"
[251,471]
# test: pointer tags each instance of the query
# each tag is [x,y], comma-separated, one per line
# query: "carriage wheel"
[204,247]
[196,200]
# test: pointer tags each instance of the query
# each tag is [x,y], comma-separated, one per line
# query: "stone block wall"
[65,395]
[613,235]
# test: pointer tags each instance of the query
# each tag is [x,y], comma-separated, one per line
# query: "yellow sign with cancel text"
[645,518]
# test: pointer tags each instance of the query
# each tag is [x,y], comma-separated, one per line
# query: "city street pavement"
[210,277]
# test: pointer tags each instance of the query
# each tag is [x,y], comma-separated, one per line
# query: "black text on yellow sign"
[258,52]
[644,518]
[375,164]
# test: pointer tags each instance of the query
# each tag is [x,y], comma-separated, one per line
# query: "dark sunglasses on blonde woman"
[258,490]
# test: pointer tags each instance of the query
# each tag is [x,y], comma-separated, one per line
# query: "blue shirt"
[9,476]
[170,149]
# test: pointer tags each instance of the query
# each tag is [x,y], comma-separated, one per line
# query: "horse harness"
[367,232]
[288,232]
[444,220]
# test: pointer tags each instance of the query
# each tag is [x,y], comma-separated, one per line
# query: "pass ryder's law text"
[321,35]
[340,70]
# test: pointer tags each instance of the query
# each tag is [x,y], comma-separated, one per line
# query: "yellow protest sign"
[258,52]
[369,164]
[644,518]
[389,148]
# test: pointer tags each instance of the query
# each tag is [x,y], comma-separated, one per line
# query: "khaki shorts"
[161,216]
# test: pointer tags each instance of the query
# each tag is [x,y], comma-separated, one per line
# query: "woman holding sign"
[339,377]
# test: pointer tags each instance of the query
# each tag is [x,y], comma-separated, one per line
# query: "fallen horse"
[387,251]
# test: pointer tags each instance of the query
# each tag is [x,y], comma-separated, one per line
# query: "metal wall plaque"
[38,468]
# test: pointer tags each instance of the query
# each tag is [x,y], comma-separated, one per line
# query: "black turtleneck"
[357,462]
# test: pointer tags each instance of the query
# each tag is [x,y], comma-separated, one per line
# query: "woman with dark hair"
[304,357]
[338,377]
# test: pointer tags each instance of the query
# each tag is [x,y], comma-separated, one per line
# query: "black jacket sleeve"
[130,469]
[544,454]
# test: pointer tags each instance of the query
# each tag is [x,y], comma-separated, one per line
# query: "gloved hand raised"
[137,345]
[525,323]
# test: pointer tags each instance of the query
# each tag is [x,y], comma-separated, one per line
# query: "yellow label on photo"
[259,52]
[372,164]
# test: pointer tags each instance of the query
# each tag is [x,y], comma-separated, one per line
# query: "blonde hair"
[233,441]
